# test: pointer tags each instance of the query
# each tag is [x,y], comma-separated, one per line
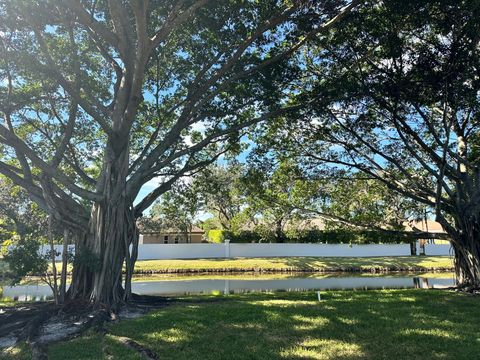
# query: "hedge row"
[313,236]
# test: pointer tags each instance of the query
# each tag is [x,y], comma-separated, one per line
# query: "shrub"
[24,259]
[216,236]
[344,236]
[337,236]
[245,237]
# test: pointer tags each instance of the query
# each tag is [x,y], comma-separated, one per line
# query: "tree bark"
[110,242]
[279,235]
[53,256]
[413,248]
[467,254]
[63,276]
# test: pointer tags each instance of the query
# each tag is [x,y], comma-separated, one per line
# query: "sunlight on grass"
[309,323]
[170,335]
[384,324]
[324,349]
[281,303]
[347,321]
[401,298]
[297,264]
[430,332]
[5,301]
[19,352]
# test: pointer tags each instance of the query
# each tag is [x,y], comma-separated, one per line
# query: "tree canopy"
[100,97]
[394,95]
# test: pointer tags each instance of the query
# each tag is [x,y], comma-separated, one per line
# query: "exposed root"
[150,300]
[20,323]
[42,324]
[39,352]
[146,352]
[469,289]
[465,289]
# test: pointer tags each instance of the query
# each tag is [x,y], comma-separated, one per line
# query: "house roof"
[428,226]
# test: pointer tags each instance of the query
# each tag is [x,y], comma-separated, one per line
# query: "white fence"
[438,249]
[227,250]
[45,249]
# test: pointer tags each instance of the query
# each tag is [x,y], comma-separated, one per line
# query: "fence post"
[227,248]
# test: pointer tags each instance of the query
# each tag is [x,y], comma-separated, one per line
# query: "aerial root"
[466,289]
[146,352]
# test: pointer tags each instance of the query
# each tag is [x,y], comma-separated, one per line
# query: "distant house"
[428,226]
[172,236]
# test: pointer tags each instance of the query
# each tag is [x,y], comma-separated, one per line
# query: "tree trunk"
[53,255]
[63,276]
[110,242]
[279,232]
[413,248]
[467,254]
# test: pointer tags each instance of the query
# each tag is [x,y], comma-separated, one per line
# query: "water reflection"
[227,285]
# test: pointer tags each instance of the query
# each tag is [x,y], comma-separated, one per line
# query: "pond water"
[228,284]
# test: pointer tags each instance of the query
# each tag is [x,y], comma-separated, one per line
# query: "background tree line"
[278,202]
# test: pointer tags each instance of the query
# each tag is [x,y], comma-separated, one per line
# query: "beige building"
[172,236]
[428,226]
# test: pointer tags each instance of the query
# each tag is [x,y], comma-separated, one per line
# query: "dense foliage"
[336,236]
[99,98]
[393,97]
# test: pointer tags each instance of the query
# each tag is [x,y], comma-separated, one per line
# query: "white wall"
[203,251]
[45,249]
[438,249]
[180,251]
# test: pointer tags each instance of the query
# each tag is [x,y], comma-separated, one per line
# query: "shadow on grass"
[396,324]
[393,263]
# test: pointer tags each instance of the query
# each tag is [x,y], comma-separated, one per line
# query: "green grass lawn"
[6,301]
[417,263]
[388,324]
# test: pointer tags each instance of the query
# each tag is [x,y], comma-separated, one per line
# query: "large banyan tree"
[394,96]
[99,97]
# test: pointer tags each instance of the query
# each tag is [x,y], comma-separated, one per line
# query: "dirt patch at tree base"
[42,324]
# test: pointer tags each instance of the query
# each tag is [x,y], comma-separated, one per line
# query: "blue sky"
[152,184]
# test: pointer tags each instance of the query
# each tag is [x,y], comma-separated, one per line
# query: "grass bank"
[6,302]
[388,324]
[297,264]
[291,264]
